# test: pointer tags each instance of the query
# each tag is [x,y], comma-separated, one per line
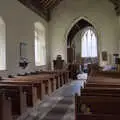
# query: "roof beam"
[37,9]
[41,7]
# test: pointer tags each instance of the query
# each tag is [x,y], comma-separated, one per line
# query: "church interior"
[59,59]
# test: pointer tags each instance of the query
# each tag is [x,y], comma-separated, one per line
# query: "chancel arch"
[83,35]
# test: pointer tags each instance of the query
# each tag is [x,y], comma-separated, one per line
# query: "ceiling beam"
[41,7]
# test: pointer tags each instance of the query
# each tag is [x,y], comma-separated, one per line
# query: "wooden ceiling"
[44,7]
[41,7]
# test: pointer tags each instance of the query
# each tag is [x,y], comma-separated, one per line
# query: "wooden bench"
[62,76]
[100,91]
[101,84]
[57,77]
[7,110]
[41,84]
[112,74]
[55,80]
[5,107]
[19,100]
[44,79]
[99,104]
[28,89]
[101,96]
[31,85]
[100,107]
[80,116]
[103,75]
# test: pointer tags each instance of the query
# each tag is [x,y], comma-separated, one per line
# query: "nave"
[45,45]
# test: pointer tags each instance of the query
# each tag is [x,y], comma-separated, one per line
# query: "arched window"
[2,44]
[89,44]
[40,46]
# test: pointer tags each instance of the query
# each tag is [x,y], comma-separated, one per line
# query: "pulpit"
[58,63]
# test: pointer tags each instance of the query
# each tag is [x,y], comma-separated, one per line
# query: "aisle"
[58,106]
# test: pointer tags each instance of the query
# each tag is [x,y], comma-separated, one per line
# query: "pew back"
[98,104]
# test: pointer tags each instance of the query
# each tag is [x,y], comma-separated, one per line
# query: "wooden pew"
[103,75]
[38,81]
[6,95]
[48,81]
[101,95]
[5,105]
[64,76]
[29,84]
[111,74]
[30,88]
[18,100]
[100,91]
[37,85]
[81,116]
[101,84]
[61,75]
[57,77]
[100,107]
[99,104]
[41,82]
[54,79]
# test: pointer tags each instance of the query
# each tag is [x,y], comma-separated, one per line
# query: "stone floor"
[58,106]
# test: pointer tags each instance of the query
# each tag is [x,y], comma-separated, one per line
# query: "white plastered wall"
[100,14]
[119,30]
[19,28]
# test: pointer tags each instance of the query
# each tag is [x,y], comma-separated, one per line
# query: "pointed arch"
[77,25]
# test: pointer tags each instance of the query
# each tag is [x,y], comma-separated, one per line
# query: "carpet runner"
[58,112]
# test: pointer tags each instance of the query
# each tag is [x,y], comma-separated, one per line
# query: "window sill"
[40,65]
[1,70]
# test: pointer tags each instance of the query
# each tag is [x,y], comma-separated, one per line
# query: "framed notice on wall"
[23,50]
[104,56]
